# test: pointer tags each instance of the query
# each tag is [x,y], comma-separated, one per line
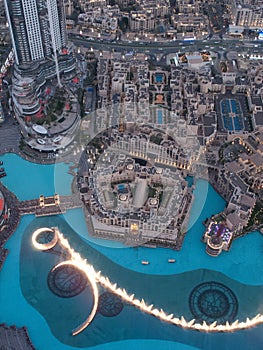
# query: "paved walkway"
[10,139]
[9,136]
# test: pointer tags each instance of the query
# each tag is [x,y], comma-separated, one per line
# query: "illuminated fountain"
[92,281]
[48,244]
[94,277]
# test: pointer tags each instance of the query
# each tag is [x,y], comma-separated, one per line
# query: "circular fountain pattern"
[61,285]
[109,304]
[45,238]
[66,281]
[213,301]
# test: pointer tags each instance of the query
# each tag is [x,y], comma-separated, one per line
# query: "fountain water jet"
[94,277]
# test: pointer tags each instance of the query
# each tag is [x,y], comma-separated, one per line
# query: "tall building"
[37,28]
[39,38]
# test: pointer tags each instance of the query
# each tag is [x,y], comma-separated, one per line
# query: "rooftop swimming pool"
[159,78]
[160,117]
[26,300]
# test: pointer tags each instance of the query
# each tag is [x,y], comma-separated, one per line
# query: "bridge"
[53,205]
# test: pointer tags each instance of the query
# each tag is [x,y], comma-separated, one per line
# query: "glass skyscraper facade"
[37,28]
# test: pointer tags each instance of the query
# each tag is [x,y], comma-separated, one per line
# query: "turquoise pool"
[241,264]
[159,78]
[159,116]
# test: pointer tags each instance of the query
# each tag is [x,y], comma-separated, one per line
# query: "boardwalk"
[32,206]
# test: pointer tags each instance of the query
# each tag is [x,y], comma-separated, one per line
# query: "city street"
[171,46]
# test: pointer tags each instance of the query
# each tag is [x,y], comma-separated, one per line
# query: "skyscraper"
[39,39]
[37,28]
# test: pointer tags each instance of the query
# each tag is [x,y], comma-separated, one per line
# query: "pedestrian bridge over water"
[53,205]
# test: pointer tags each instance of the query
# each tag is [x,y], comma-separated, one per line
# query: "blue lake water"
[29,180]
[243,263]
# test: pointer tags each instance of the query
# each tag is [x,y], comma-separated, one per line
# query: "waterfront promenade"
[13,221]
[9,136]
[11,142]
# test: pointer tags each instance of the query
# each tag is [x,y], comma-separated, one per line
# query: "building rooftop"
[238,183]
[258,116]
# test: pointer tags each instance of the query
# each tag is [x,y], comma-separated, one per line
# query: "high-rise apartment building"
[37,28]
[39,38]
